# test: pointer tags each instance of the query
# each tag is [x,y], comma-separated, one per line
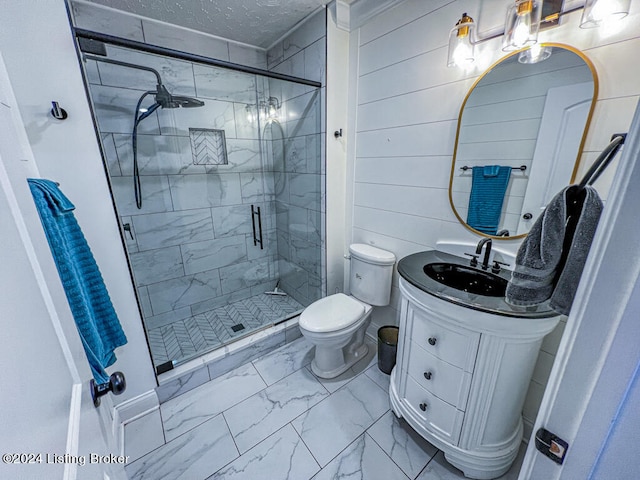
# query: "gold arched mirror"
[520,134]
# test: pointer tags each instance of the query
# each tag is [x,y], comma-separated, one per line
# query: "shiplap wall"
[406,114]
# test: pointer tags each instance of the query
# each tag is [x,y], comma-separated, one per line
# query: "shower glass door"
[225,237]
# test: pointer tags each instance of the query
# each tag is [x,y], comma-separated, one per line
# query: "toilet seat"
[332,313]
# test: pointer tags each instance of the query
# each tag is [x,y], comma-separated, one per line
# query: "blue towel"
[489,184]
[90,304]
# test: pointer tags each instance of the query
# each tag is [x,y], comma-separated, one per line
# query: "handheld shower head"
[166,100]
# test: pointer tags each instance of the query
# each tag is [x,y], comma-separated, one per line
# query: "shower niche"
[244,140]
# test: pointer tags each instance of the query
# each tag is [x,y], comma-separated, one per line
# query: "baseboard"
[527,430]
[143,408]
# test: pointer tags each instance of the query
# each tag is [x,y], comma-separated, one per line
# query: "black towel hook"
[58,112]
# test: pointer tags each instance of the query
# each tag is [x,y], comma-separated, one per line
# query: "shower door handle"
[257,239]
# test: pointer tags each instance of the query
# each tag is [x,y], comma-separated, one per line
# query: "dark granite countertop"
[411,269]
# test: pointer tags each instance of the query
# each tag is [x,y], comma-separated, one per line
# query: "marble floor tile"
[440,469]
[197,454]
[362,460]
[284,361]
[182,384]
[381,378]
[350,432]
[206,401]
[342,417]
[254,419]
[406,448]
[282,456]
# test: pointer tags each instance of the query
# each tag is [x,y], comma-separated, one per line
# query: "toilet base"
[350,359]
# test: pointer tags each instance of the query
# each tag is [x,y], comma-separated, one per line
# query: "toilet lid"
[331,313]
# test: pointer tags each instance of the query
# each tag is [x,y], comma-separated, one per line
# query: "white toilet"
[336,324]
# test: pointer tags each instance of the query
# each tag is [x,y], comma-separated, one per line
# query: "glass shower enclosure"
[216,176]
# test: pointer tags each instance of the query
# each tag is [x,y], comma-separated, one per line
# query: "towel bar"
[521,167]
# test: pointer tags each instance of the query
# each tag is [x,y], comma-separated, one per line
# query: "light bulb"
[523,22]
[462,54]
[599,12]
[521,30]
[461,39]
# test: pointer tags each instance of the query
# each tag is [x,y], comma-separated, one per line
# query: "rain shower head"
[166,100]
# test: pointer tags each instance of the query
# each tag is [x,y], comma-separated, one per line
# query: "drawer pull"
[423,406]
[427,375]
[432,341]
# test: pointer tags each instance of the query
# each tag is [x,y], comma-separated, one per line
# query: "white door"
[563,120]
[593,394]
[48,425]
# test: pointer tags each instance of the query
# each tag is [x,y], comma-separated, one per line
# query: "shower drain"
[237,327]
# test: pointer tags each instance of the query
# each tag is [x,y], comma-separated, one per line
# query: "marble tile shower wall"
[298,165]
[191,243]
[302,54]
[98,18]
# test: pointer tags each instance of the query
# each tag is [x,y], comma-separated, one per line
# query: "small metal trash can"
[387,348]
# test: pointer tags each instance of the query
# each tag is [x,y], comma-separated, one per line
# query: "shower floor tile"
[209,330]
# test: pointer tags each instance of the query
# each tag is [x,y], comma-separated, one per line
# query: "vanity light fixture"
[523,22]
[250,115]
[461,42]
[267,111]
[273,108]
[597,12]
[524,19]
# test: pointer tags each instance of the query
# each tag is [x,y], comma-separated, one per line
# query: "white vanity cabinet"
[461,377]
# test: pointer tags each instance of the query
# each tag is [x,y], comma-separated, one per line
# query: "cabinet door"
[450,343]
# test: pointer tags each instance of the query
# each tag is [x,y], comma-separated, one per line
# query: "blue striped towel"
[96,319]
[488,187]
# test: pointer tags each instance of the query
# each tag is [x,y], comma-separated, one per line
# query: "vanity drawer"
[439,417]
[448,382]
[450,343]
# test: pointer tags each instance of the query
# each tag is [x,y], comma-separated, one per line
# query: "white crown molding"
[352,14]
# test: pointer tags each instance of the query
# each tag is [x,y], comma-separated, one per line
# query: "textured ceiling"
[256,22]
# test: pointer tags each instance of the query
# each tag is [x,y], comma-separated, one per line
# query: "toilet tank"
[371,273]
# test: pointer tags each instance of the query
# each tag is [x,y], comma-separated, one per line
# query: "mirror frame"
[582,141]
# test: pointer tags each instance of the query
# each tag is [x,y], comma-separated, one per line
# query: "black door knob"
[432,341]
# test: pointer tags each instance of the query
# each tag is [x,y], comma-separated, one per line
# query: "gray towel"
[550,261]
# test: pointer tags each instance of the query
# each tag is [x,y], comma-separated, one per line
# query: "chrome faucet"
[487,251]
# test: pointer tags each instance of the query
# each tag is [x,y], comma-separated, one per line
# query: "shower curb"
[199,371]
